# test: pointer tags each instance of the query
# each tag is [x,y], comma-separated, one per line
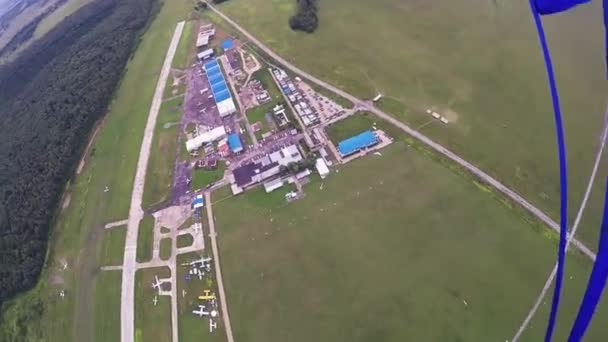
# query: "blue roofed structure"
[210,64]
[198,202]
[234,141]
[216,78]
[219,88]
[357,143]
[227,44]
[222,96]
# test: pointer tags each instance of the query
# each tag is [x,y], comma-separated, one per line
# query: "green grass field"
[201,178]
[258,114]
[145,239]
[350,126]
[165,249]
[389,250]
[152,323]
[77,231]
[191,327]
[184,240]
[159,178]
[478,62]
[113,246]
[107,306]
[186,48]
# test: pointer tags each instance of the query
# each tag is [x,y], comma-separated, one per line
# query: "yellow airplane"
[207,295]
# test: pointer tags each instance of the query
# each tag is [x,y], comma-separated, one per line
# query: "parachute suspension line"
[597,281]
[563,173]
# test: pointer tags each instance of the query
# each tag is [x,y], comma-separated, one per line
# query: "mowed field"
[78,232]
[393,248]
[475,61]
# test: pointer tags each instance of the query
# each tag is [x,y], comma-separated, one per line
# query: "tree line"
[305,18]
[51,97]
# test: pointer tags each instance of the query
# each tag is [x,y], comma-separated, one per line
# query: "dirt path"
[218,270]
[474,170]
[127,296]
[575,226]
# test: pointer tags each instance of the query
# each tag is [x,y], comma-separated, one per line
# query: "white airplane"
[106,189]
[212,325]
[155,300]
[64,265]
[202,261]
[157,284]
[62,294]
[201,311]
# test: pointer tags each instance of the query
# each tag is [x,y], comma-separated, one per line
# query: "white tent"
[226,107]
[322,168]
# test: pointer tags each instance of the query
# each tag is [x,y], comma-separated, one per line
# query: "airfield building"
[357,143]
[234,141]
[322,168]
[219,88]
[205,138]
[264,169]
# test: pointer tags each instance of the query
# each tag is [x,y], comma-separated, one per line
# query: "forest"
[51,97]
[305,18]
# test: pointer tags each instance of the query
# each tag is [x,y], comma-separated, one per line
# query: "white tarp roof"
[205,137]
[226,107]
[205,54]
[321,167]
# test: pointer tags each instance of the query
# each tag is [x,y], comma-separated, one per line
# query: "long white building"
[205,137]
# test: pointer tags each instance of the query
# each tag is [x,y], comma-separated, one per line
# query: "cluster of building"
[281,115]
[270,170]
[226,143]
[205,34]
[303,109]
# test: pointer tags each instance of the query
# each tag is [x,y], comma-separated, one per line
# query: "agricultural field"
[390,248]
[159,178]
[477,62]
[111,161]
[69,7]
[152,322]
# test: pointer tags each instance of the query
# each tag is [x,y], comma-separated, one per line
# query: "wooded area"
[51,97]
[306,18]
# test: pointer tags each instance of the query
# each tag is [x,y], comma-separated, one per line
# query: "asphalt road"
[412,132]
[218,271]
[136,213]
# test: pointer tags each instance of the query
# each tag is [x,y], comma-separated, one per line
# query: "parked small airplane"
[212,325]
[207,295]
[64,265]
[200,262]
[201,311]
[62,294]
[155,300]
[157,284]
